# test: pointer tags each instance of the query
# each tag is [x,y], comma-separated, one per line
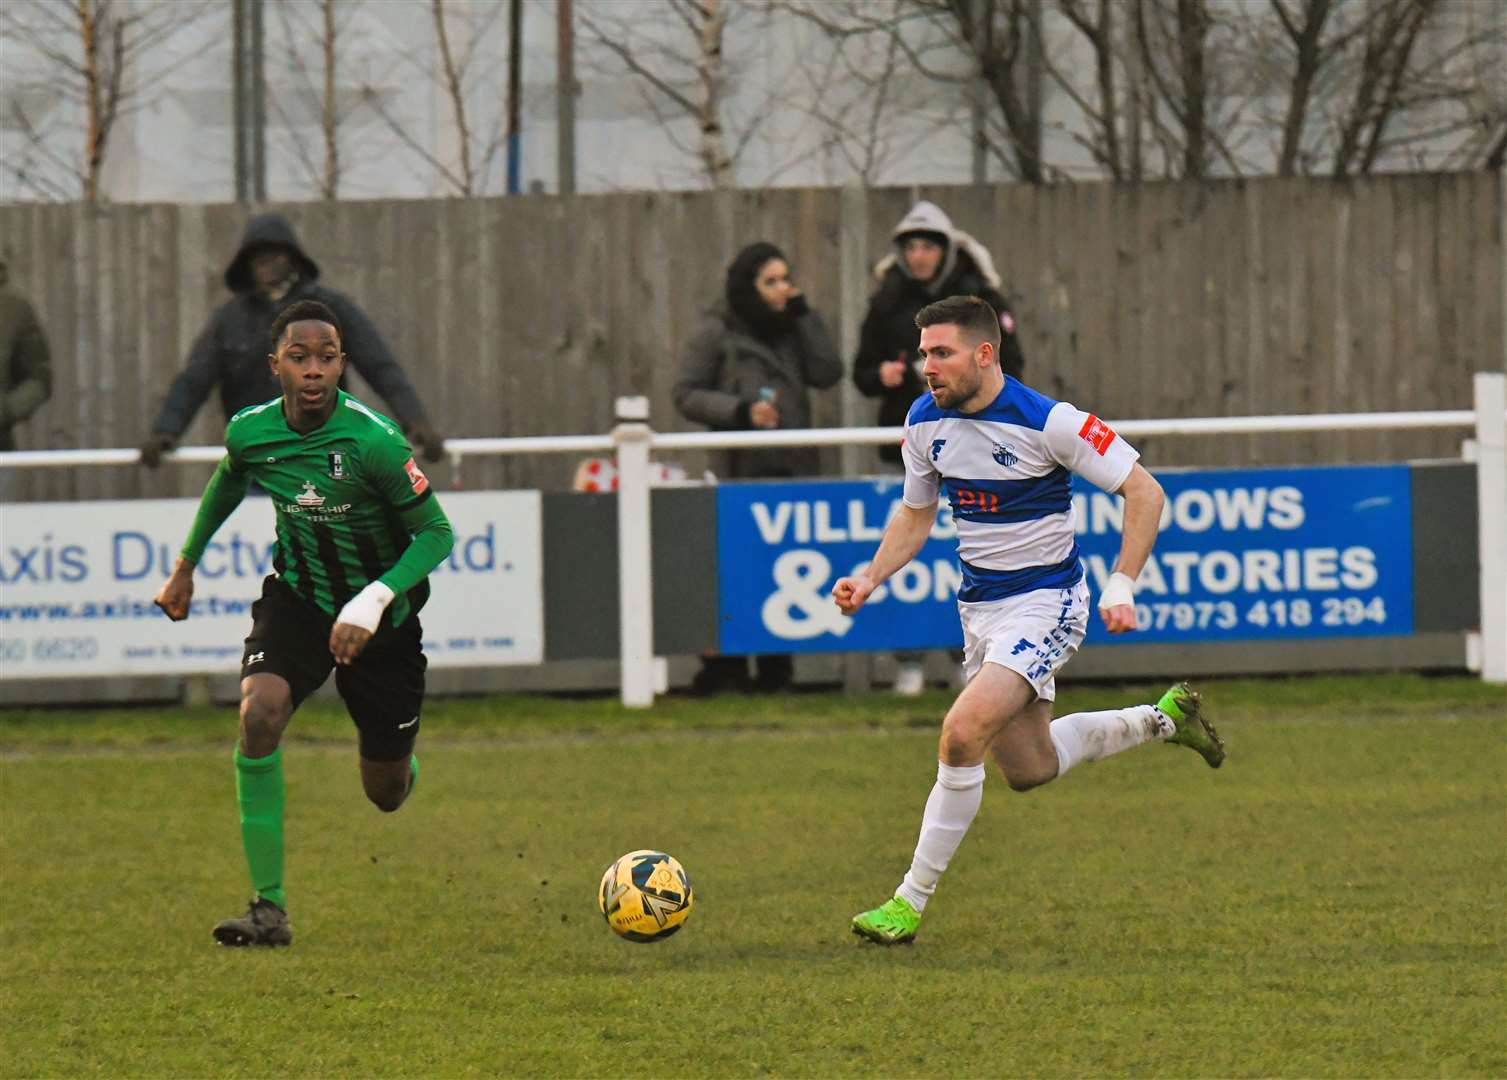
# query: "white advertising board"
[77,581]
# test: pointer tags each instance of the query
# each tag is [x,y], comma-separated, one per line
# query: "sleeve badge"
[420,483]
[1097,434]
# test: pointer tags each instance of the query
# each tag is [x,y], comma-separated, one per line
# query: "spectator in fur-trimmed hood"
[931,259]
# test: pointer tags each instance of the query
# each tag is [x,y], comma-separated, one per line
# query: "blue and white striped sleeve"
[1088,446]
[922,481]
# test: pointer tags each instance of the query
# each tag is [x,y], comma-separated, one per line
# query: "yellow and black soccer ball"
[645,896]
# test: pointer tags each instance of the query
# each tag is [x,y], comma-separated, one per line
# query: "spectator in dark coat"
[26,359]
[749,366]
[751,362]
[268,273]
[931,260]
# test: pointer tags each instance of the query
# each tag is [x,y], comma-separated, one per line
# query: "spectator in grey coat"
[26,359]
[750,366]
[269,272]
[751,362]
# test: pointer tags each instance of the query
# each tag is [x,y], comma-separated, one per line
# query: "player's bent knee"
[960,745]
[387,801]
[386,784]
[266,705]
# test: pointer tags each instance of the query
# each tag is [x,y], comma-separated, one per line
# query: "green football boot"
[892,923]
[1181,705]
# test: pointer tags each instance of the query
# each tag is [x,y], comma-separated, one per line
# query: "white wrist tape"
[1117,592]
[366,607]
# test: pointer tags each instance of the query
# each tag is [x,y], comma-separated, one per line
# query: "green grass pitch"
[1330,903]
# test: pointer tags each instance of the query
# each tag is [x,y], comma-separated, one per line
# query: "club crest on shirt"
[1004,453]
[336,468]
[309,497]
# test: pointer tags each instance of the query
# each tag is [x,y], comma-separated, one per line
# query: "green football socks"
[413,773]
[259,790]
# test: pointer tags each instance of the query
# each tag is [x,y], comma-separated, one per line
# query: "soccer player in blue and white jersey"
[1004,452]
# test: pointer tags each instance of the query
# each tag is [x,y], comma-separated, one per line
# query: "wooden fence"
[528,316]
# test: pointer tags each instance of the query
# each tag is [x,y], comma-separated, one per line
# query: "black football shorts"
[383,688]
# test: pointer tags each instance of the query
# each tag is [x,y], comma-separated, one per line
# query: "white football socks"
[955,798]
[1089,736]
[950,809]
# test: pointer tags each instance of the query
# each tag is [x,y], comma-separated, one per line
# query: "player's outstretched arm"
[223,493]
[904,536]
[1143,515]
[191,386]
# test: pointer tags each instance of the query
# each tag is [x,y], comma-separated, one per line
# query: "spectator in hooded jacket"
[931,261]
[271,271]
[750,366]
[752,360]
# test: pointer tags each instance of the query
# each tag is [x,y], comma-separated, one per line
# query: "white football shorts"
[1034,634]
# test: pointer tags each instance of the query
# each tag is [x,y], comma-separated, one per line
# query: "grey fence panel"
[528,316]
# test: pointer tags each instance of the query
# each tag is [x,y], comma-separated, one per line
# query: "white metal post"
[632,437]
[1491,505]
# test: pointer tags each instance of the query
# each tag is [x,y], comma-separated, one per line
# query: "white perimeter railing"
[632,440]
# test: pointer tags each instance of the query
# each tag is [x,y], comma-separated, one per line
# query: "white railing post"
[1491,507]
[457,469]
[635,592]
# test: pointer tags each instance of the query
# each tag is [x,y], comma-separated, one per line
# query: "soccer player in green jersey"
[358,531]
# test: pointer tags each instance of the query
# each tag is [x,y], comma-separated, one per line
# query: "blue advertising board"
[1242,555]
[780,547]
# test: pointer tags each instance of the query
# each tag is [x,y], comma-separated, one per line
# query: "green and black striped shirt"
[353,506]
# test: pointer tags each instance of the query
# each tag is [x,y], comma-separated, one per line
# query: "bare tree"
[1414,82]
[714,155]
[871,83]
[309,94]
[456,95]
[1102,138]
[87,53]
[1172,36]
[1002,38]
[1194,87]
[1389,42]
[456,63]
[675,53]
[953,44]
[1306,32]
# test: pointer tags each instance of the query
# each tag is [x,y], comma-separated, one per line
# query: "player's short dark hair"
[303,311]
[978,321]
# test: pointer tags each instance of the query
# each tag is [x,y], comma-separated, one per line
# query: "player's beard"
[951,397]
